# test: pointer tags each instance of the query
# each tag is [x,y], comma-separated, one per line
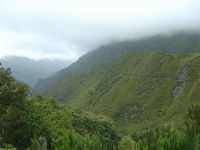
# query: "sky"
[67,29]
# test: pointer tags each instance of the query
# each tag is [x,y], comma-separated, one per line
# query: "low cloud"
[67,29]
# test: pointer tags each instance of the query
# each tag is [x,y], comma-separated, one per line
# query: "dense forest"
[41,123]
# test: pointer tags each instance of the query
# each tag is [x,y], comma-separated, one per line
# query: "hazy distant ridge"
[29,70]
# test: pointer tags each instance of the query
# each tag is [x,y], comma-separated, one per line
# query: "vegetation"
[119,101]
[42,123]
[178,43]
[138,90]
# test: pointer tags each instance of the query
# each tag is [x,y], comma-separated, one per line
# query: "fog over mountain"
[67,29]
[30,71]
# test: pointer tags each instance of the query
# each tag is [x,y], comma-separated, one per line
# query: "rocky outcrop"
[181,81]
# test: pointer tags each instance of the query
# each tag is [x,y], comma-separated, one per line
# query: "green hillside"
[138,90]
[179,43]
[40,123]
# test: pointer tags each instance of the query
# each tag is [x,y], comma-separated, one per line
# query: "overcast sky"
[66,29]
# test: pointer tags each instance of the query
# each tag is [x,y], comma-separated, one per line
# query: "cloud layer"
[66,29]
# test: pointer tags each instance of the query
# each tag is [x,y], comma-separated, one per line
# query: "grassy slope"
[136,90]
[179,43]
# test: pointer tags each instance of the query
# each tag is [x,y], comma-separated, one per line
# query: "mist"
[68,29]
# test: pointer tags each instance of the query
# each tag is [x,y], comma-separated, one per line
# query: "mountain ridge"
[29,71]
[138,89]
[179,43]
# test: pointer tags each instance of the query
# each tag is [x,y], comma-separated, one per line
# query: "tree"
[12,92]
[12,121]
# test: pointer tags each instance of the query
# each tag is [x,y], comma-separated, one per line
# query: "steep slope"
[138,90]
[29,71]
[179,43]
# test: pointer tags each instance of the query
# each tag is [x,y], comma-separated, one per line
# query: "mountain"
[137,87]
[30,71]
[46,124]
[137,90]
[179,43]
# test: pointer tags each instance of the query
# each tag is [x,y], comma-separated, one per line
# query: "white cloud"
[35,46]
[68,28]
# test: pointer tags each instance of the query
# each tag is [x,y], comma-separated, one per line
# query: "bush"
[127,143]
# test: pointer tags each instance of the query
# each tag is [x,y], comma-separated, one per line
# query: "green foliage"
[42,123]
[54,121]
[138,90]
[98,125]
[132,81]
[11,91]
[168,137]
[44,117]
[192,124]
[179,43]
[135,96]
[35,145]
[16,130]
[127,143]
[12,121]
